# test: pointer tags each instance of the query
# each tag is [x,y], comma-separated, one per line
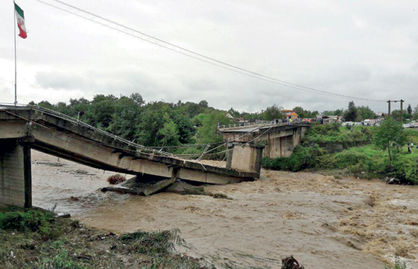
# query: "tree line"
[164,124]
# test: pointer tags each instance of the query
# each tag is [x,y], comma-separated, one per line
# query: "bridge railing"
[260,123]
[77,122]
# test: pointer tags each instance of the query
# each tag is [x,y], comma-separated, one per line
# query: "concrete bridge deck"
[62,136]
[280,138]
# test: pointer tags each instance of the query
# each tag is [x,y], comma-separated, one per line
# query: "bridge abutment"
[15,173]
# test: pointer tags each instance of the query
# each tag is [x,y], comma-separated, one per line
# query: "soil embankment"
[322,221]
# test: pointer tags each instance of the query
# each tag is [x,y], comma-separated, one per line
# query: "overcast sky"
[358,48]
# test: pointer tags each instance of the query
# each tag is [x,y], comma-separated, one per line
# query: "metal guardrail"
[77,122]
[258,124]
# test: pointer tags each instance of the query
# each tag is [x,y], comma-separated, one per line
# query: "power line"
[194,54]
[150,41]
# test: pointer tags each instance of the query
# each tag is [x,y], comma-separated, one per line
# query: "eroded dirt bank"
[322,221]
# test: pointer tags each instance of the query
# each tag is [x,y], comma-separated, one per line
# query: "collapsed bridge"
[23,128]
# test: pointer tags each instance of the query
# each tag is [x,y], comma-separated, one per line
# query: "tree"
[233,113]
[169,133]
[305,113]
[185,127]
[351,114]
[137,98]
[203,103]
[388,135]
[272,113]
[126,118]
[152,120]
[207,132]
[409,109]
[338,112]
[364,112]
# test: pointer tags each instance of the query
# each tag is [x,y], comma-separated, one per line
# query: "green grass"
[24,243]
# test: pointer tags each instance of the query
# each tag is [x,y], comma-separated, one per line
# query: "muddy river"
[322,221]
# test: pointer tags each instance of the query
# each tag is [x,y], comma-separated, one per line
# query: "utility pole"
[401,110]
[389,107]
[401,106]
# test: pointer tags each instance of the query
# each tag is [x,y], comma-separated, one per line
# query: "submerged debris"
[116,179]
[291,263]
[138,187]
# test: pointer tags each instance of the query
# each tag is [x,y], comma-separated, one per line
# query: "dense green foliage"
[351,114]
[151,124]
[31,220]
[333,133]
[390,135]
[361,113]
[365,161]
[272,113]
[305,113]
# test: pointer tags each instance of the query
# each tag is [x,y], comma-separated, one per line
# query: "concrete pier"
[245,157]
[15,173]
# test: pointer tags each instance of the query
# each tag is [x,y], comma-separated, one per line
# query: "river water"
[322,221]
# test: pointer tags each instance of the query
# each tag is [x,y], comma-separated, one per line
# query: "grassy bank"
[36,238]
[356,155]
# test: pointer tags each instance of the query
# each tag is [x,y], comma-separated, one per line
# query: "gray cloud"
[361,48]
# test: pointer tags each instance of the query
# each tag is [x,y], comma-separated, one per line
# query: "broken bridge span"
[23,128]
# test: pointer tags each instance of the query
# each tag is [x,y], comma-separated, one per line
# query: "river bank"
[322,221]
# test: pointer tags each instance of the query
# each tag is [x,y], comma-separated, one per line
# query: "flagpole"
[14,28]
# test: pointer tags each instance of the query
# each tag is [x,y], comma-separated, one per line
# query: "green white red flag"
[20,17]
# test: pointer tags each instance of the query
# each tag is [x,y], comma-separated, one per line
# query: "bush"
[32,220]
[349,158]
[405,168]
[331,134]
[301,158]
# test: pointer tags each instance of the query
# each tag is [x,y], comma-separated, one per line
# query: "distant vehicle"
[412,124]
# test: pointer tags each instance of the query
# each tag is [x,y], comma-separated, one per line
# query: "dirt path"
[322,221]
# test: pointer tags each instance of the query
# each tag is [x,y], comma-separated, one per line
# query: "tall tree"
[351,114]
[409,109]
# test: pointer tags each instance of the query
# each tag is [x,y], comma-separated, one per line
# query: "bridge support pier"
[244,157]
[15,173]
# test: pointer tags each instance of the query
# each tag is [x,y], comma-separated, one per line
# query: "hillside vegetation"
[357,154]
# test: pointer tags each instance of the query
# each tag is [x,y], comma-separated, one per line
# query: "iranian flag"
[20,17]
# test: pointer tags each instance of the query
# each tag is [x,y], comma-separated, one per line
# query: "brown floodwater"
[324,222]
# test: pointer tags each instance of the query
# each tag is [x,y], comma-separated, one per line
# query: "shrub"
[330,134]
[301,158]
[32,220]
[405,168]
[349,158]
